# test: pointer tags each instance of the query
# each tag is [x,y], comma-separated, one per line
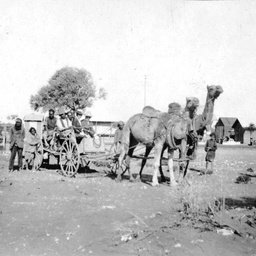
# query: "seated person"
[32,143]
[49,129]
[64,125]
[75,122]
[79,114]
[87,125]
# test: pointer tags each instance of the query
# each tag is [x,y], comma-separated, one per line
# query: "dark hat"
[18,120]
[213,134]
[51,110]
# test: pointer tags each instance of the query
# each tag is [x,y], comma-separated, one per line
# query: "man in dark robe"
[17,136]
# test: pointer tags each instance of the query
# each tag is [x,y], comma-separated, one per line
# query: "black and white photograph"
[127,128]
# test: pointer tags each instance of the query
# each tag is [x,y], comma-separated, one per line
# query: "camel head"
[214,91]
[174,108]
[192,105]
[179,126]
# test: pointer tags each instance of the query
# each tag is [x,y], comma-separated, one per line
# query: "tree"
[69,87]
[12,117]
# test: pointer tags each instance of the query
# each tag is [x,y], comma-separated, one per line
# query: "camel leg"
[170,165]
[128,160]
[182,154]
[157,156]
[144,160]
[163,179]
[181,167]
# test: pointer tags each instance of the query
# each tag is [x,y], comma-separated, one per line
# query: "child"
[210,148]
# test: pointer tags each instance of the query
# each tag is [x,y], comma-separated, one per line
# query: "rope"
[95,144]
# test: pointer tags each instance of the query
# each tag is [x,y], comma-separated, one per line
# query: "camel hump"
[150,111]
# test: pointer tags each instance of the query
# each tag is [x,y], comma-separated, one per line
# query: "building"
[249,137]
[229,127]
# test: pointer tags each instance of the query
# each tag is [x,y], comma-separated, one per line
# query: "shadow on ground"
[243,202]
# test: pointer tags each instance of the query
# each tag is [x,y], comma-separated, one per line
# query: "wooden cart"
[71,152]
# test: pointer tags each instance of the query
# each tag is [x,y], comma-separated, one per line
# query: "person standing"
[118,135]
[118,138]
[17,136]
[210,149]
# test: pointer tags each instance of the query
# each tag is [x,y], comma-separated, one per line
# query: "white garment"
[63,123]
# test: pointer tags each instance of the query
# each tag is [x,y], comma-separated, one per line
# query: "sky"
[143,52]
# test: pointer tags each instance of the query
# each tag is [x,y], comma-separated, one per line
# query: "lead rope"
[95,144]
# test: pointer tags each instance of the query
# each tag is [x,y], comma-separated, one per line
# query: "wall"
[247,137]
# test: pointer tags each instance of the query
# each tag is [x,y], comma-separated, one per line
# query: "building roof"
[228,121]
[34,118]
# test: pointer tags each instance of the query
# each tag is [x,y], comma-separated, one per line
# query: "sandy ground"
[44,213]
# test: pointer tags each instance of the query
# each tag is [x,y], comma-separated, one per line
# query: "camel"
[202,121]
[187,145]
[153,129]
[175,109]
[199,124]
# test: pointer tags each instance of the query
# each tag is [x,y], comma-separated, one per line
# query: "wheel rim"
[69,158]
[38,158]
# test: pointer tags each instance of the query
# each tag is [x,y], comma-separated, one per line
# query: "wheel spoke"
[72,169]
[65,167]
[72,147]
[69,168]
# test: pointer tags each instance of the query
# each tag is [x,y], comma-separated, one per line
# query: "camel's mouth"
[219,91]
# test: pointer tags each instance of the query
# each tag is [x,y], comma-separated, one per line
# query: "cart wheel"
[69,158]
[39,155]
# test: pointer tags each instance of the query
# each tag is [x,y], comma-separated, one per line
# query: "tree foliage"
[251,128]
[69,87]
[12,117]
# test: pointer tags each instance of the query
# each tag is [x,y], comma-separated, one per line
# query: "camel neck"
[208,110]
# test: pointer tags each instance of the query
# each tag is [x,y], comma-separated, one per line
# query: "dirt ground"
[44,213]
